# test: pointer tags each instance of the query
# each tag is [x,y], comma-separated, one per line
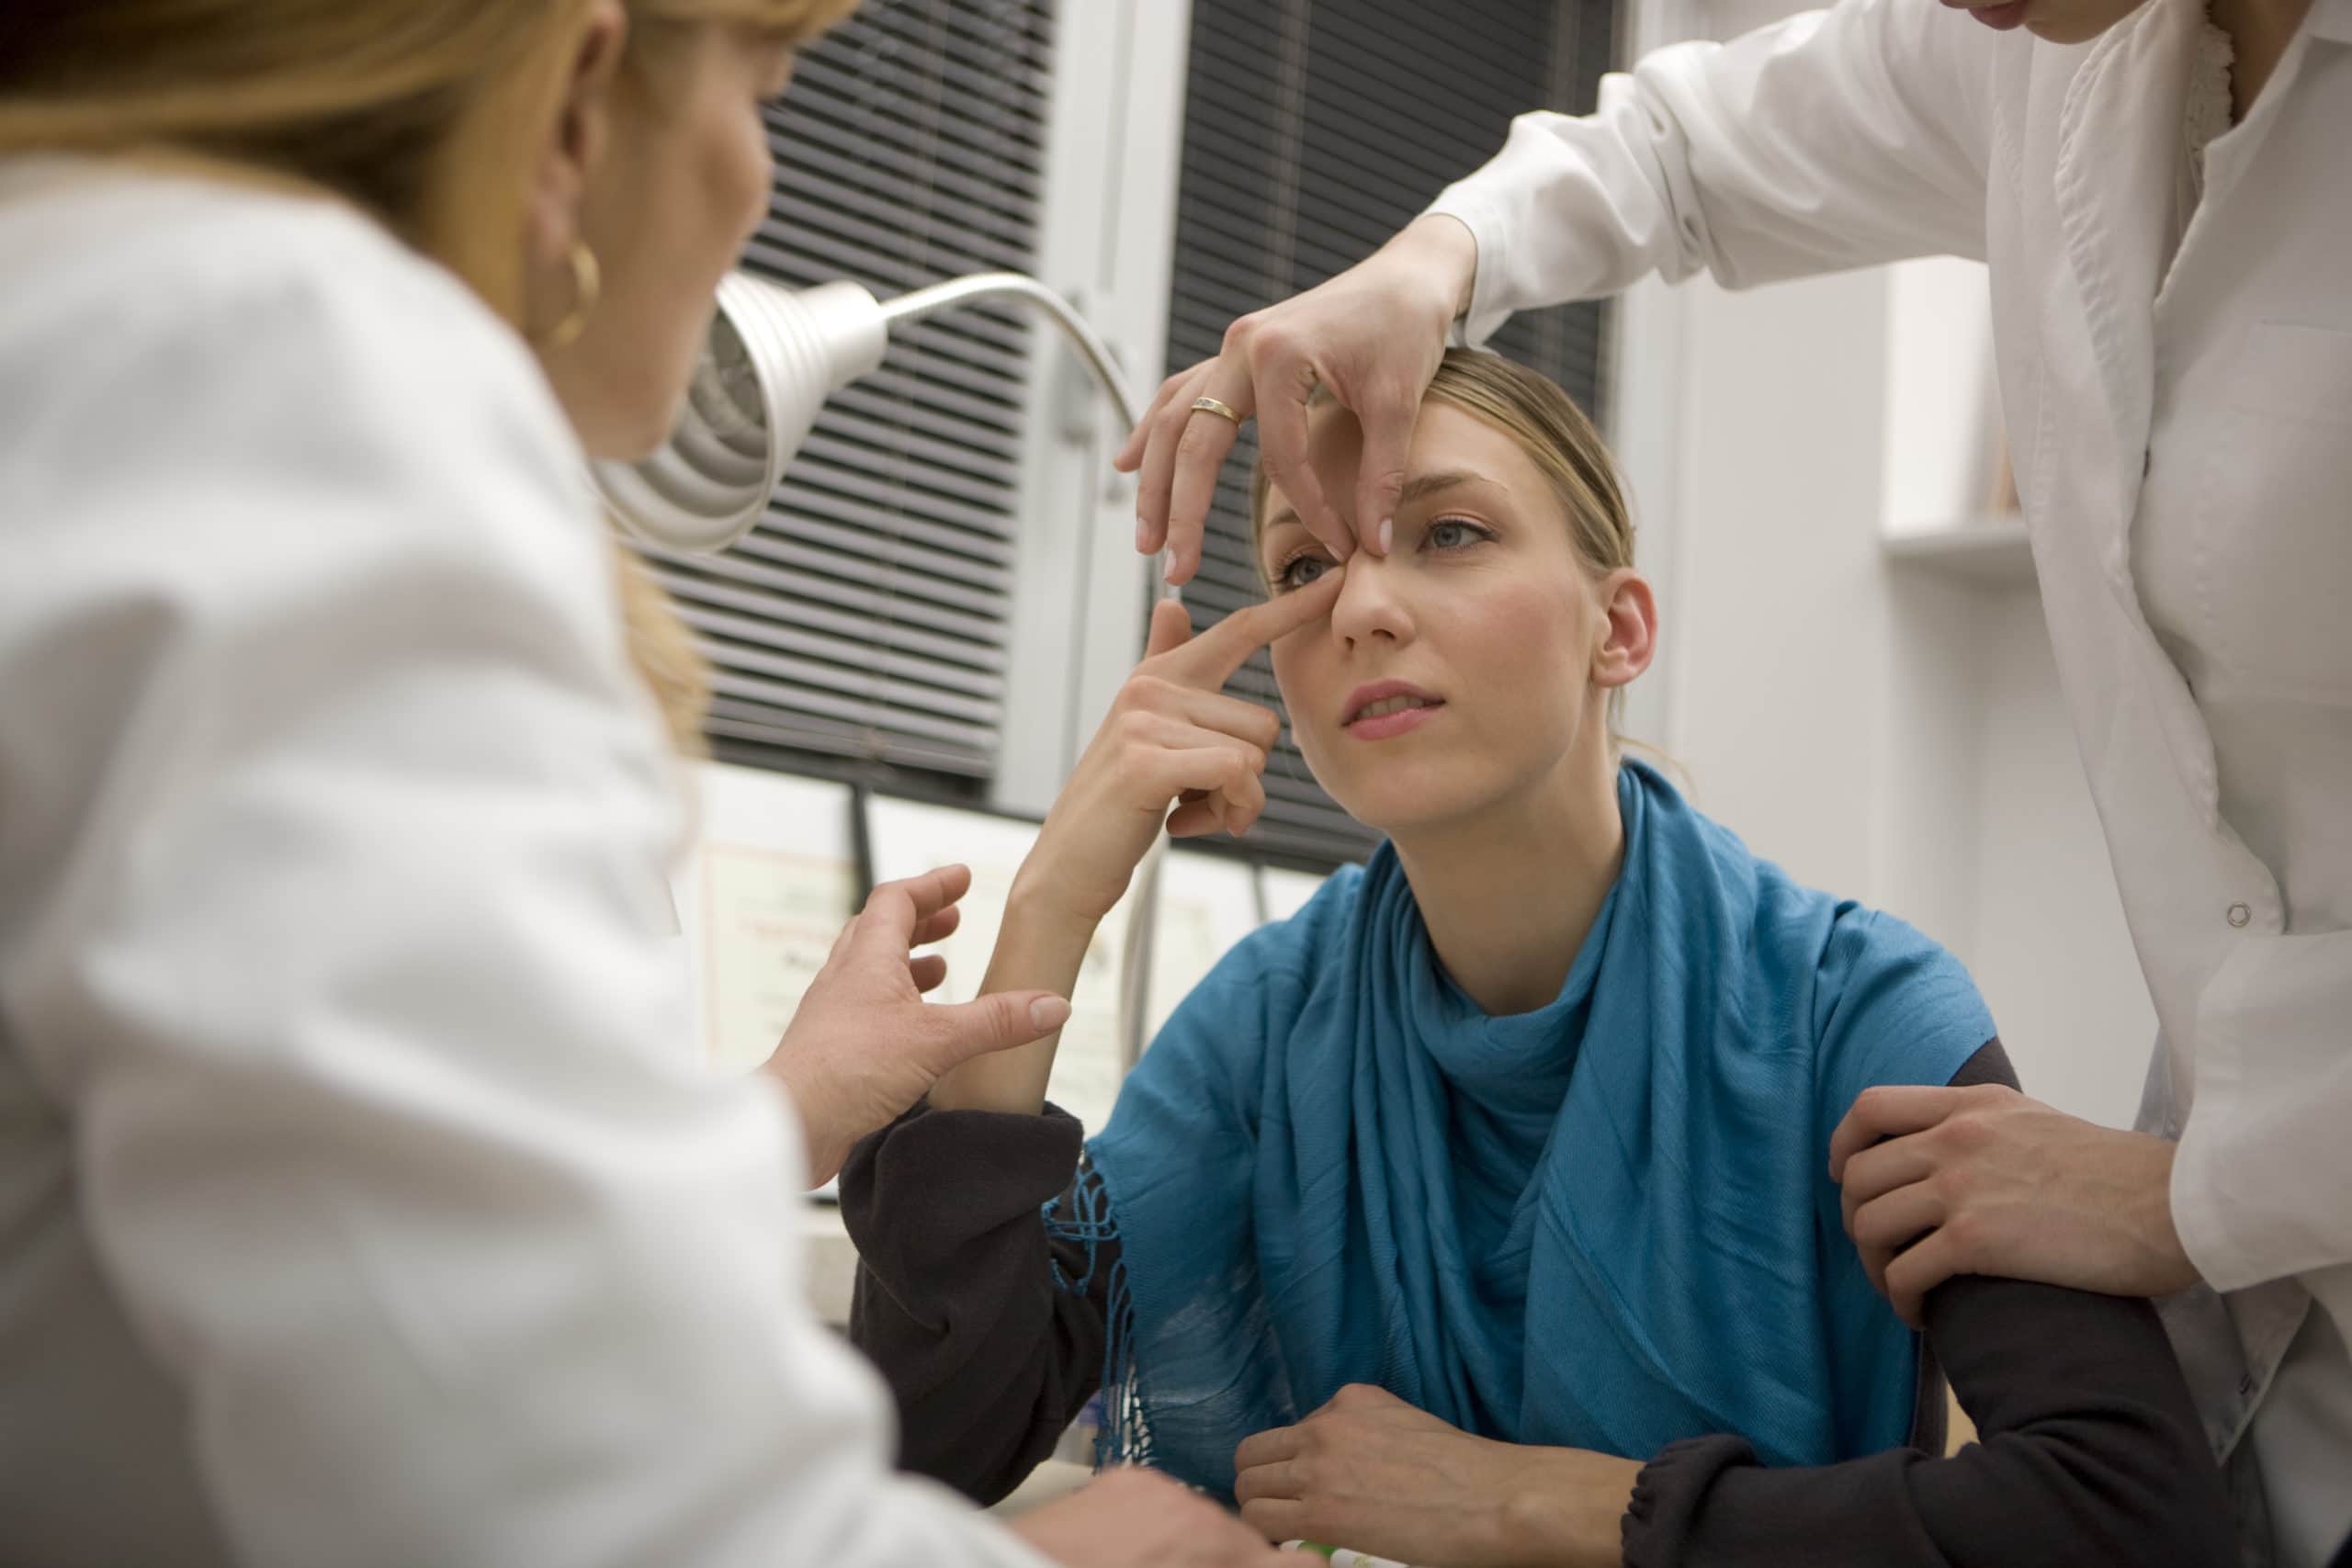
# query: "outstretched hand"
[863,1045]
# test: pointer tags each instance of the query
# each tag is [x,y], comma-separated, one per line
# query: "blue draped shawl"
[1607,1224]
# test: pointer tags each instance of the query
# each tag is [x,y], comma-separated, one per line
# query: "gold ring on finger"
[1219,408]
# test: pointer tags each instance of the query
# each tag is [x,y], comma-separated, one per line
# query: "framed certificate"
[771,879]
[907,838]
[1206,904]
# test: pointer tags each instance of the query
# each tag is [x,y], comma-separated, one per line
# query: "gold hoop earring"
[587,286]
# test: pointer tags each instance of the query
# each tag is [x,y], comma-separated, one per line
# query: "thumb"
[998,1022]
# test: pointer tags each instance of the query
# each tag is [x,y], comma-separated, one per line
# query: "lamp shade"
[773,357]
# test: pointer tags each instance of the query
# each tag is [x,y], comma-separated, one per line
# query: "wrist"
[1567,1509]
[821,1146]
[1444,249]
[1041,906]
[2174,1270]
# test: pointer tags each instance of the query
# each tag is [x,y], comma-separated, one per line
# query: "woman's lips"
[1382,726]
[2001,18]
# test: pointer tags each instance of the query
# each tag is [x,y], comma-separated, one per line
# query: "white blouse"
[360,1202]
[2281,735]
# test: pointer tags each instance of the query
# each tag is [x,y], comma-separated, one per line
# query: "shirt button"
[2239,915]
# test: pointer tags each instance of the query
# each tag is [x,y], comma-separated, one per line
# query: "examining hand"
[1372,337]
[1171,737]
[1139,1518]
[863,1045]
[1983,1181]
[1371,1472]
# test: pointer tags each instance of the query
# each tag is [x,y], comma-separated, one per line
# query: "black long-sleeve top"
[2089,1450]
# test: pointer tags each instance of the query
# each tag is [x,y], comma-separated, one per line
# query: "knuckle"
[1970,1132]
[1271,341]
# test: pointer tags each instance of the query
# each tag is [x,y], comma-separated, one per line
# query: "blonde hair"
[424,113]
[1558,437]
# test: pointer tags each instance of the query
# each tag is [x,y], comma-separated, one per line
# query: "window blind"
[1312,132]
[865,617]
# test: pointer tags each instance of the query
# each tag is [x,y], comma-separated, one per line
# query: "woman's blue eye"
[1300,571]
[1452,534]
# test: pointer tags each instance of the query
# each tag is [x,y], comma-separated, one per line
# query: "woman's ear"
[565,163]
[1630,641]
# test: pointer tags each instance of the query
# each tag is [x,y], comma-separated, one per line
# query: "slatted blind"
[866,616]
[1312,132]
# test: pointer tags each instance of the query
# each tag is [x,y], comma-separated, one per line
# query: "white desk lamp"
[774,355]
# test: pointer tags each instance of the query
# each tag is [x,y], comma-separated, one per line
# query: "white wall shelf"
[1988,551]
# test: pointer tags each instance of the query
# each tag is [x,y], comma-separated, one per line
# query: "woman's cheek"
[1295,681]
[758,181]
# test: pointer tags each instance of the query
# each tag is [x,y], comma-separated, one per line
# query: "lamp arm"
[1143,920]
[1046,302]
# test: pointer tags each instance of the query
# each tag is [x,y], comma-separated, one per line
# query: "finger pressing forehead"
[1330,456]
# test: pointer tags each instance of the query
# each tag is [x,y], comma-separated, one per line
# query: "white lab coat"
[360,1202]
[2204,437]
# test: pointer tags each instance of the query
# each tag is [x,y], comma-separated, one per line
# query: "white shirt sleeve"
[1835,138]
[348,968]
[2262,1184]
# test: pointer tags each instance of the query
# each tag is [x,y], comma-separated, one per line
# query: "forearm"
[1041,946]
[2090,1452]
[1828,141]
[987,1325]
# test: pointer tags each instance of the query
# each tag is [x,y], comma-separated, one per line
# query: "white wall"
[2049,946]
[1879,730]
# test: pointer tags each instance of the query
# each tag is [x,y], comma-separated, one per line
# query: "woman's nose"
[1372,602]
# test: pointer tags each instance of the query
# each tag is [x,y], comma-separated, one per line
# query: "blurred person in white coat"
[2161,190]
[361,1199]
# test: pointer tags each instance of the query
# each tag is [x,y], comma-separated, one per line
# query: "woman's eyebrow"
[1422,486]
[1418,487]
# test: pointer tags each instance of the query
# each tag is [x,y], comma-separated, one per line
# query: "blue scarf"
[1605,1225]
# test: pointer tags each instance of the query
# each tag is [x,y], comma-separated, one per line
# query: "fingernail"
[1387,534]
[1048,1013]
[1143,535]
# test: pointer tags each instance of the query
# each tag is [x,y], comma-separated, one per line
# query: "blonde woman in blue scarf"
[1481,1213]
